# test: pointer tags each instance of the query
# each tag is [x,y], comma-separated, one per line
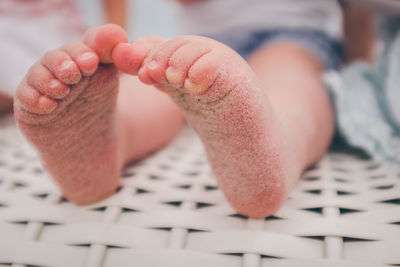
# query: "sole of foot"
[220,96]
[65,106]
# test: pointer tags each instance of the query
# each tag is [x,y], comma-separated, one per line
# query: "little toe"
[31,100]
[103,39]
[86,59]
[39,77]
[62,66]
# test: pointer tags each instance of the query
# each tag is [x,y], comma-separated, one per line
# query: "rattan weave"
[169,212]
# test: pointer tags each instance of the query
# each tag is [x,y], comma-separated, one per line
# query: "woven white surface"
[169,212]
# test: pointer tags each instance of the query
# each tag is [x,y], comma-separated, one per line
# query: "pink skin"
[57,108]
[261,122]
[220,96]
[67,107]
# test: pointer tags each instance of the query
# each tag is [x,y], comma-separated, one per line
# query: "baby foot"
[65,106]
[220,96]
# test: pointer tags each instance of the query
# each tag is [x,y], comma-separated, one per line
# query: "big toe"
[129,58]
[103,39]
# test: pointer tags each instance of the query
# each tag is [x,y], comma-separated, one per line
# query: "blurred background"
[144,17]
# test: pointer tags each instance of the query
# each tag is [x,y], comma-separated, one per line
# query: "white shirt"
[214,16]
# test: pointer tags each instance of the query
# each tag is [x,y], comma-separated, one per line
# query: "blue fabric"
[244,41]
[367,100]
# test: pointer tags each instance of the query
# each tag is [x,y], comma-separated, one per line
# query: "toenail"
[46,104]
[193,88]
[173,76]
[66,64]
[152,65]
[141,71]
[53,83]
[86,56]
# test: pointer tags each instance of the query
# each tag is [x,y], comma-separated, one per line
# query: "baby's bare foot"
[221,98]
[65,106]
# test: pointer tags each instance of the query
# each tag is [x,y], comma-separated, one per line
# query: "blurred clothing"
[388,7]
[215,16]
[28,29]
[367,100]
[329,51]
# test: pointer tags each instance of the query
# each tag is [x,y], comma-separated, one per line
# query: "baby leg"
[291,77]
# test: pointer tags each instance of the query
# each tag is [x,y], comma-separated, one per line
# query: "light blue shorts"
[244,41]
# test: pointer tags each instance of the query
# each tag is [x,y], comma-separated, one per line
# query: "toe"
[31,100]
[129,58]
[40,78]
[158,58]
[103,39]
[203,73]
[62,66]
[84,57]
[214,74]
[183,58]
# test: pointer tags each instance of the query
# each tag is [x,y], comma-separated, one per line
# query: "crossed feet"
[66,107]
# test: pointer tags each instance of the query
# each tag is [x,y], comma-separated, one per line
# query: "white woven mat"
[169,212]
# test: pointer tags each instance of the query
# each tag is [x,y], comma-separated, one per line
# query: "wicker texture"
[169,212]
